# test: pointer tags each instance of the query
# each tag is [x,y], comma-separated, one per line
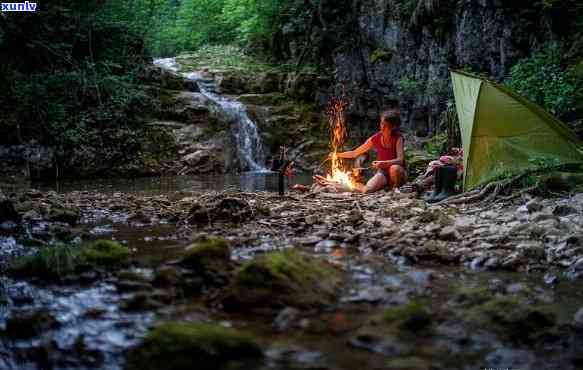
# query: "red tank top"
[389,152]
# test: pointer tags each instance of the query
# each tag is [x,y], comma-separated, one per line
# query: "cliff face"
[389,53]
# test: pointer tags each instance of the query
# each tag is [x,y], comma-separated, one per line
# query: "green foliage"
[436,145]
[380,55]
[192,24]
[409,87]
[543,80]
[72,72]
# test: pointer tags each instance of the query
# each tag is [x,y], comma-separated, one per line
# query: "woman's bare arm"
[356,152]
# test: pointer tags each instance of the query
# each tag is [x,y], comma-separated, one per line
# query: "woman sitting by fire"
[388,143]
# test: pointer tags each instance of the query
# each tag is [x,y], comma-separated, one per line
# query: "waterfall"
[249,146]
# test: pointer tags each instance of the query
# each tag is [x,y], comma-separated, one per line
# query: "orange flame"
[338,135]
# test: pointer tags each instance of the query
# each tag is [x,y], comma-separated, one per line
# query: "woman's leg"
[376,183]
[398,175]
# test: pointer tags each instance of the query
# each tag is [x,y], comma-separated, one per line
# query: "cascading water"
[249,147]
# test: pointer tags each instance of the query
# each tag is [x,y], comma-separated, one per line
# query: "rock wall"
[398,53]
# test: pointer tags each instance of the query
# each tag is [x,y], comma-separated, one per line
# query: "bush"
[542,79]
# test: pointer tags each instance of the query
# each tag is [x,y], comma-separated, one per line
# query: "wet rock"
[224,210]
[412,317]
[507,358]
[20,293]
[143,301]
[408,363]
[371,294]
[29,324]
[564,210]
[286,319]
[208,257]
[310,240]
[283,279]
[511,318]
[125,286]
[301,86]
[533,250]
[533,206]
[449,233]
[185,345]
[198,214]
[326,245]
[167,276]
[173,81]
[578,319]
[392,333]
[69,214]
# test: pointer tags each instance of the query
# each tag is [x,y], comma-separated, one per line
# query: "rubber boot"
[436,185]
[448,177]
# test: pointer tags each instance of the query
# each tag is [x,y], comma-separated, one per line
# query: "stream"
[92,320]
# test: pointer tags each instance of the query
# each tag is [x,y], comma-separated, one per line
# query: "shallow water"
[94,311]
[247,181]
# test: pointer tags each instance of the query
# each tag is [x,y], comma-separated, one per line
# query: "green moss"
[69,215]
[209,256]
[287,278]
[183,345]
[468,297]
[106,253]
[50,262]
[407,363]
[410,317]
[380,55]
[132,276]
[512,319]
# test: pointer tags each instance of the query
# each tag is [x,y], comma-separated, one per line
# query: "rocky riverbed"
[308,280]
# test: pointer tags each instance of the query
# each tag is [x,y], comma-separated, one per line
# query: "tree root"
[499,190]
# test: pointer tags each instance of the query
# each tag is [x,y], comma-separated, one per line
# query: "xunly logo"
[19,7]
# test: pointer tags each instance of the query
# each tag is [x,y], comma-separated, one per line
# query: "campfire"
[339,176]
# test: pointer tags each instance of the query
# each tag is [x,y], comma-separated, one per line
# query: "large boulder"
[187,107]
[302,86]
[208,257]
[173,81]
[186,346]
[283,279]
[232,82]
[268,82]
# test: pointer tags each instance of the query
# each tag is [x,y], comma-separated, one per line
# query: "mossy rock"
[412,317]
[408,363]
[282,279]
[469,296]
[49,263]
[270,99]
[209,256]
[512,319]
[69,215]
[106,253]
[186,346]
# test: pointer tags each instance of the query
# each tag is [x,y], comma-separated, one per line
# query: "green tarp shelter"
[504,133]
